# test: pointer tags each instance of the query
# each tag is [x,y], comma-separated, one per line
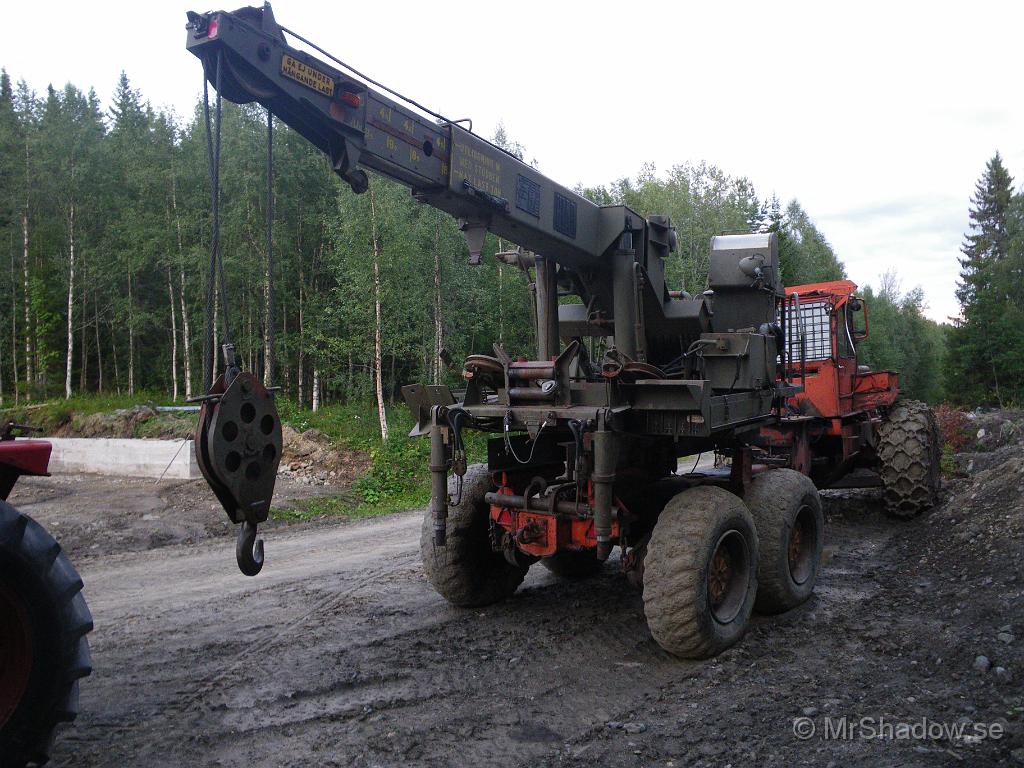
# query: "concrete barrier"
[130,458]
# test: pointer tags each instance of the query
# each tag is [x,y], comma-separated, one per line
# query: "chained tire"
[786,509]
[700,573]
[573,564]
[43,647]
[909,452]
[466,571]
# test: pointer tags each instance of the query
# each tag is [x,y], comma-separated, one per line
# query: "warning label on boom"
[305,74]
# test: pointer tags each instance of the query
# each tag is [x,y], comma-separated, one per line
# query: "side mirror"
[858,306]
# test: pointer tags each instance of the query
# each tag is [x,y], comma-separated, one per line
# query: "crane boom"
[357,126]
[588,249]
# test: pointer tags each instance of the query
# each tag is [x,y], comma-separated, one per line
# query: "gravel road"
[340,654]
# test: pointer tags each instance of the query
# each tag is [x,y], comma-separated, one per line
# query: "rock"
[809,711]
[1004,637]
[981,433]
[614,724]
[981,663]
[634,727]
[1002,674]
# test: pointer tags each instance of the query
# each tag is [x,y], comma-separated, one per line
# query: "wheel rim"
[15,652]
[728,576]
[803,544]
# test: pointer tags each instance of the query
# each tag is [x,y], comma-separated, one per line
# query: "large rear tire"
[43,648]
[466,571]
[790,525]
[909,451]
[700,573]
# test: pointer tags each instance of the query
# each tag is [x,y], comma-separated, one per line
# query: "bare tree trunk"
[378,384]
[29,372]
[302,338]
[186,342]
[185,335]
[14,325]
[83,355]
[99,348]
[268,331]
[501,297]
[248,337]
[131,338]
[316,388]
[216,344]
[438,323]
[26,296]
[113,355]
[268,278]
[391,383]
[174,339]
[71,299]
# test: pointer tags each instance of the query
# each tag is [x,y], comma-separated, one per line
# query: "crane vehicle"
[588,428]
[848,417]
[587,432]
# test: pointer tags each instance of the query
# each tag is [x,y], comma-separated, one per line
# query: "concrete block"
[129,458]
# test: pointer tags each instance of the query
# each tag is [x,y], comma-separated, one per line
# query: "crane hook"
[249,550]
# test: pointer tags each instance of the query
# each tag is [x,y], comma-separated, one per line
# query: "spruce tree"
[986,355]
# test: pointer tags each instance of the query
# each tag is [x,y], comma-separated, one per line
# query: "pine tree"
[988,241]
[986,348]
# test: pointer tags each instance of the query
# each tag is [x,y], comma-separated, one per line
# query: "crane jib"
[358,127]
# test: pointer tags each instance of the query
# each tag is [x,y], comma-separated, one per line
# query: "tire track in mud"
[341,654]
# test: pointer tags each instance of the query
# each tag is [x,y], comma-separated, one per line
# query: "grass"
[345,506]
[947,463]
[398,477]
[51,415]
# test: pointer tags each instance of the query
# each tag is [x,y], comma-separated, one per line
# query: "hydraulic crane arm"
[445,165]
[675,371]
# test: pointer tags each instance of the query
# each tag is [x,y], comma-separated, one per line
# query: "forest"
[105,220]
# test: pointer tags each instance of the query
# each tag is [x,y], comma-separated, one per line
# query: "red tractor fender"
[22,457]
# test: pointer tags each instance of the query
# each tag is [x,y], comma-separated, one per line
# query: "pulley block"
[238,449]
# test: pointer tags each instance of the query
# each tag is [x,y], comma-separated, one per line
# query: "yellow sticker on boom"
[305,74]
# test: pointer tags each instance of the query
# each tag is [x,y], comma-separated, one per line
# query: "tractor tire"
[909,452]
[700,573]
[466,571]
[573,564]
[43,648]
[790,527]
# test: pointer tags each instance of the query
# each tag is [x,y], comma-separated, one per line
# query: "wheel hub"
[803,539]
[728,576]
[15,652]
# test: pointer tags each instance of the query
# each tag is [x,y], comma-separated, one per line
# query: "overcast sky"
[878,117]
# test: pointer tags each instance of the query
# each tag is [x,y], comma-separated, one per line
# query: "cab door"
[846,356]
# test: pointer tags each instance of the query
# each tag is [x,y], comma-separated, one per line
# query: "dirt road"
[340,654]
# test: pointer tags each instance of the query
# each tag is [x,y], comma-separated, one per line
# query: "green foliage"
[137,179]
[323,506]
[947,462]
[985,365]
[398,476]
[53,414]
[901,338]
